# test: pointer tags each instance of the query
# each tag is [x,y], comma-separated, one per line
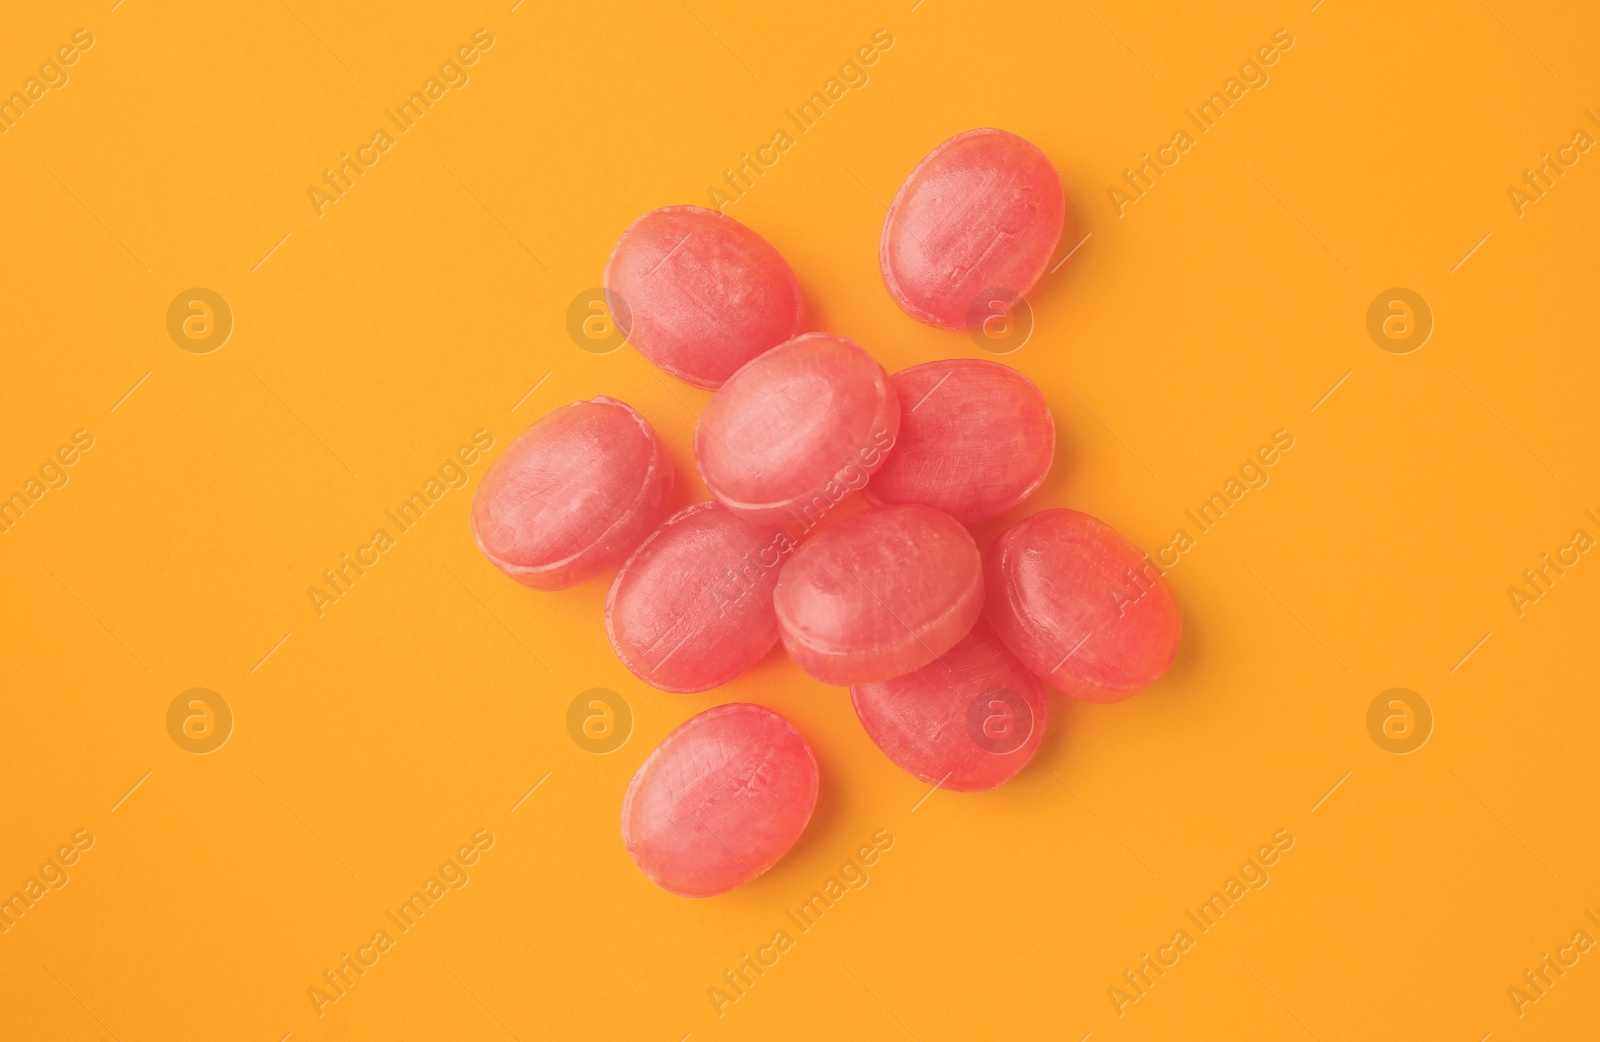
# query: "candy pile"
[946,650]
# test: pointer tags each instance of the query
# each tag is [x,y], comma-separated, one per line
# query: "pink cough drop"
[700,294]
[967,722]
[976,439]
[720,800]
[1080,605]
[983,211]
[797,430]
[572,495]
[881,593]
[692,608]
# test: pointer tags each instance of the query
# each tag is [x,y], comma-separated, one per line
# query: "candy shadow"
[775,671]
[1058,738]
[819,834]
[1180,674]
[1056,287]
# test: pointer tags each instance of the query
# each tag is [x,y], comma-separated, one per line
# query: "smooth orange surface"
[416,728]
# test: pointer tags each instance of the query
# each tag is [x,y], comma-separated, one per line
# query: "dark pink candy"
[572,495]
[968,721]
[976,439]
[982,211]
[1080,605]
[720,800]
[704,293]
[692,608]
[879,594]
[797,430]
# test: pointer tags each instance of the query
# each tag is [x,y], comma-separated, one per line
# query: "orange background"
[371,742]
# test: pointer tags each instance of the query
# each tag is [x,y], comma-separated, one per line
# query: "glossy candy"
[573,495]
[976,439]
[1080,605]
[692,608]
[720,800]
[797,430]
[983,211]
[880,594]
[967,722]
[703,293]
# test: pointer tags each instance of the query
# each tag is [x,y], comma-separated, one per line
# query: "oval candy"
[720,800]
[880,594]
[572,495]
[983,211]
[692,608]
[703,293]
[967,722]
[976,439]
[1081,606]
[797,430]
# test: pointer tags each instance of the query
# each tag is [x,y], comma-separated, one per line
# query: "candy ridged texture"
[797,430]
[976,439]
[692,608]
[704,294]
[1080,605]
[880,594]
[982,211]
[967,722]
[720,800]
[573,495]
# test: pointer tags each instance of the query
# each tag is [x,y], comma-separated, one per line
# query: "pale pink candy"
[797,430]
[880,594]
[692,608]
[720,800]
[702,294]
[983,211]
[968,721]
[976,439]
[1081,606]
[572,495]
